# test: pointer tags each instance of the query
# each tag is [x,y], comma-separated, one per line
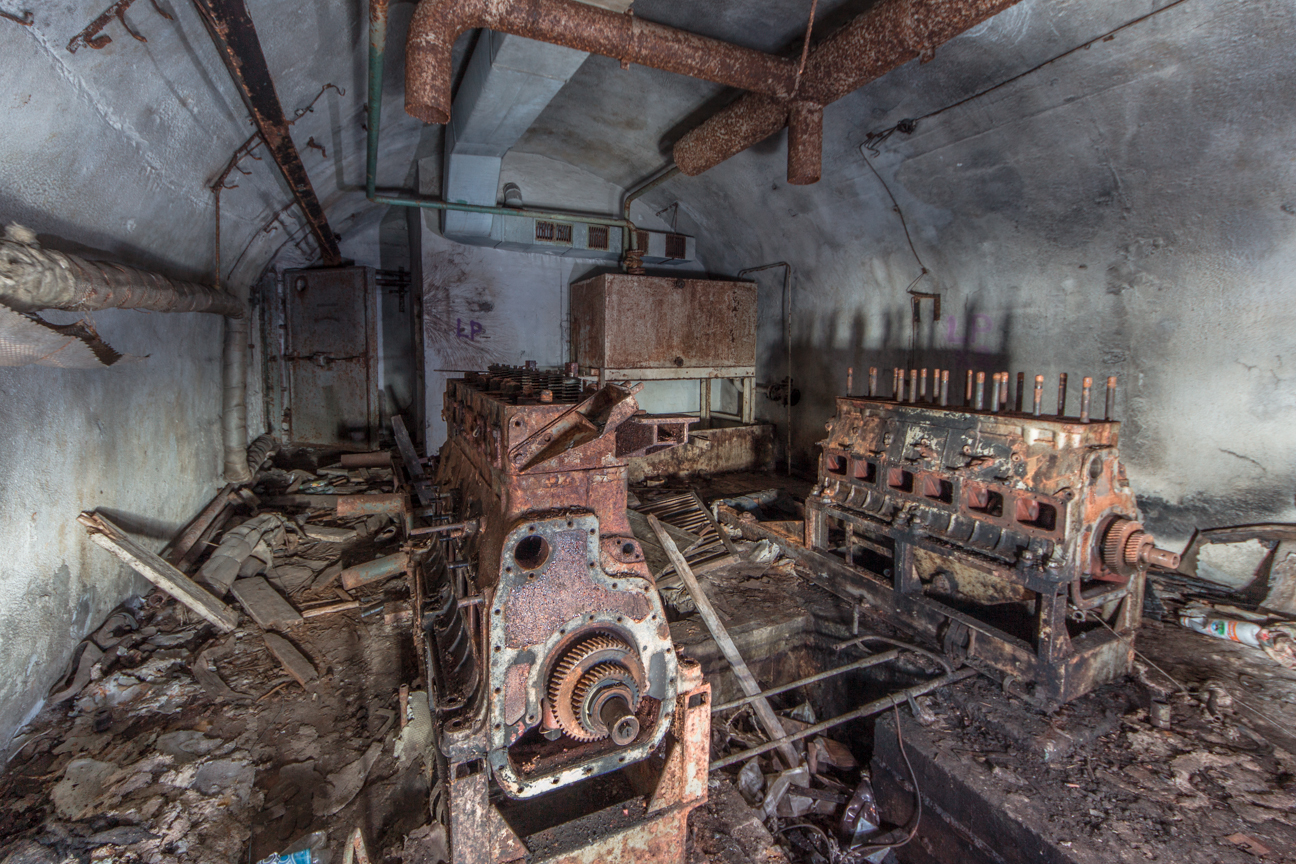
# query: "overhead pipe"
[438,23]
[633,254]
[888,35]
[377,57]
[33,278]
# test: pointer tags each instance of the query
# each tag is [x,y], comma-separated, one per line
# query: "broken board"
[292,659]
[267,606]
[153,568]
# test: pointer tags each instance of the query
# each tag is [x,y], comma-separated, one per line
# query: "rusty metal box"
[664,327]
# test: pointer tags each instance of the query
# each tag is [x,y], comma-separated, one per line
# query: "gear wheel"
[1121,544]
[594,662]
[1127,549]
[598,686]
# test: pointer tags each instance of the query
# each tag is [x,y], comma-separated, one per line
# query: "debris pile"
[185,732]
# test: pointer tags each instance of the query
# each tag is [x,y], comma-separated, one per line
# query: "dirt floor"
[181,744]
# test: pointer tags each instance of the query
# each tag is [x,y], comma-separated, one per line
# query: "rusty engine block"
[546,638]
[1011,537]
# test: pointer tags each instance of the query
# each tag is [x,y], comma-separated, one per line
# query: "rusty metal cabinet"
[655,328]
[331,354]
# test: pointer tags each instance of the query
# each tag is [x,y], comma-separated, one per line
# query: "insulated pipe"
[888,35]
[34,278]
[234,401]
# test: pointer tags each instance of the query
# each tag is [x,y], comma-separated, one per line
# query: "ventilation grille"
[553,232]
[598,237]
[641,241]
[676,246]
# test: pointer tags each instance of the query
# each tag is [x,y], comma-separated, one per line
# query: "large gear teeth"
[567,677]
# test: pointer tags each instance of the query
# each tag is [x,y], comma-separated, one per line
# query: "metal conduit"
[787,340]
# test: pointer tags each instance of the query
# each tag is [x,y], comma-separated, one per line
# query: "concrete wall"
[1124,211]
[111,152]
[140,440]
[484,306]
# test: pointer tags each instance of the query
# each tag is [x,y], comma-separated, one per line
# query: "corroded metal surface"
[805,143]
[652,322]
[437,23]
[567,671]
[236,40]
[992,527]
[888,35]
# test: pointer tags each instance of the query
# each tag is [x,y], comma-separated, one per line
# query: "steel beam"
[236,41]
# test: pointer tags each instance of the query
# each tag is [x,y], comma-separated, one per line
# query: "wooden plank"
[151,566]
[292,659]
[267,606]
[329,608]
[178,548]
[764,713]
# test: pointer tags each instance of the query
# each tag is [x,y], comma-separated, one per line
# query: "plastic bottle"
[1246,632]
[311,849]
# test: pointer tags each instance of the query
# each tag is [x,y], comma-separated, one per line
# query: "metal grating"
[553,232]
[598,237]
[676,246]
[641,241]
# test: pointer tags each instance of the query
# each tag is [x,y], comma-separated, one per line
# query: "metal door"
[331,352]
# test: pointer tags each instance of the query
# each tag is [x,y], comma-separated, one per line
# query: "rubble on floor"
[175,739]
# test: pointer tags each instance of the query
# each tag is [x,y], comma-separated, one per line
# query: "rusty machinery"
[554,682]
[1009,535]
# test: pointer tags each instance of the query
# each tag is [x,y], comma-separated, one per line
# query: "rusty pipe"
[872,391]
[438,23]
[805,143]
[888,35]
[1111,398]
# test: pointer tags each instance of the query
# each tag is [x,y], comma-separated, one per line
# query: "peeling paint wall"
[141,440]
[110,153]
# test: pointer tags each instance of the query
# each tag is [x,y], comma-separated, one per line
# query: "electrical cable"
[1183,689]
[908,125]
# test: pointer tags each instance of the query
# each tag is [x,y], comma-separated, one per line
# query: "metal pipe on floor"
[862,663]
[875,707]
